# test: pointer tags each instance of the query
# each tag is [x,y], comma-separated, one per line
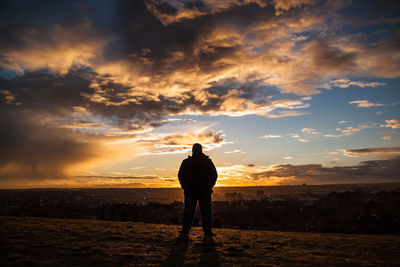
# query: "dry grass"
[60,242]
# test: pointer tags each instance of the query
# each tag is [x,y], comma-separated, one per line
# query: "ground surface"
[60,242]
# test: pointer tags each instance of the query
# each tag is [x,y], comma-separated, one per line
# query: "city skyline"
[115,93]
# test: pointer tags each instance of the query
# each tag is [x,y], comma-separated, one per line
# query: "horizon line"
[289,185]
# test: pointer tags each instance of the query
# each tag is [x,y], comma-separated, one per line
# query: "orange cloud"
[394,124]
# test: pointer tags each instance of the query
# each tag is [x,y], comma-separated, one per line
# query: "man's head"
[197,149]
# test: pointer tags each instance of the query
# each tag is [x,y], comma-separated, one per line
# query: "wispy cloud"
[365,104]
[236,151]
[268,136]
[344,83]
[333,153]
[298,138]
[303,140]
[374,150]
[285,113]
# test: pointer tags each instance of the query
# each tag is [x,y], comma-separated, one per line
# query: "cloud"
[344,83]
[235,151]
[309,131]
[65,130]
[34,149]
[268,136]
[234,175]
[98,177]
[350,130]
[298,138]
[174,47]
[334,135]
[194,39]
[333,153]
[285,5]
[366,171]
[57,43]
[385,151]
[365,104]
[108,73]
[330,57]
[9,97]
[394,124]
[303,140]
[286,113]
[171,144]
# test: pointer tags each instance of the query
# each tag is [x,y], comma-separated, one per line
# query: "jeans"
[205,210]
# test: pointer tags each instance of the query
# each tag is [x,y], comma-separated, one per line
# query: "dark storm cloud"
[140,30]
[27,24]
[366,171]
[31,146]
[31,149]
[46,92]
[50,95]
[371,13]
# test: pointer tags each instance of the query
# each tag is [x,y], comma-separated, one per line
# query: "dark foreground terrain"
[65,242]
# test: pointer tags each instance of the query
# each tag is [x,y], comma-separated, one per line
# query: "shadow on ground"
[206,249]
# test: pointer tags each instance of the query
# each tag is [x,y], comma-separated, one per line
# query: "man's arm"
[213,173]
[182,174]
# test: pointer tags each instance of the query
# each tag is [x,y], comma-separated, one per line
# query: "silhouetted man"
[197,176]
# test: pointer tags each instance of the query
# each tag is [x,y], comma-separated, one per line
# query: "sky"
[102,93]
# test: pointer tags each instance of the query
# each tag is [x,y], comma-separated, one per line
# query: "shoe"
[183,235]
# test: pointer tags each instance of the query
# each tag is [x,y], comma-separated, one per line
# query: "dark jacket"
[197,175]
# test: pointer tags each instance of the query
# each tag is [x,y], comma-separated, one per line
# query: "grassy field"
[62,242]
